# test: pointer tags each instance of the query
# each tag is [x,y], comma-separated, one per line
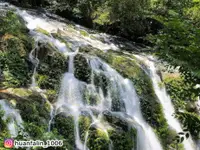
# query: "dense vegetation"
[169,28]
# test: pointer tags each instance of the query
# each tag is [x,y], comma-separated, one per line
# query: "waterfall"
[70,100]
[15,120]
[165,100]
[129,97]
[33,58]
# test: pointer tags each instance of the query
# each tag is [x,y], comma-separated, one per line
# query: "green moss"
[97,140]
[123,140]
[51,68]
[65,127]
[51,95]
[82,70]
[15,68]
[21,92]
[116,122]
[90,97]
[13,24]
[15,47]
[61,39]
[84,124]
[84,33]
[33,110]
[42,31]
[122,136]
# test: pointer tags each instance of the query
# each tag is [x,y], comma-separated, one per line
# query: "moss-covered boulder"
[65,127]
[82,70]
[123,140]
[51,67]
[84,125]
[97,139]
[33,109]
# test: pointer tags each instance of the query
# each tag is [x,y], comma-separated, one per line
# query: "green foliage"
[12,24]
[181,92]
[65,127]
[14,50]
[191,123]
[178,44]
[15,68]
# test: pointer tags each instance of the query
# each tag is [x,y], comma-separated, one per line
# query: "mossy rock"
[97,139]
[84,125]
[21,92]
[65,127]
[90,97]
[116,122]
[101,81]
[84,33]
[122,135]
[62,39]
[82,69]
[123,140]
[52,95]
[38,29]
[51,68]
[33,110]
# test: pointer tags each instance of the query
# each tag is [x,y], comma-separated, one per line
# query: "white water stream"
[165,100]
[15,120]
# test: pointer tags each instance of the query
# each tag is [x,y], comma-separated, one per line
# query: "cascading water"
[15,120]
[165,100]
[70,100]
[129,97]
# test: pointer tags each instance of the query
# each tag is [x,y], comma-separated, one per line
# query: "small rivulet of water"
[165,100]
[11,114]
